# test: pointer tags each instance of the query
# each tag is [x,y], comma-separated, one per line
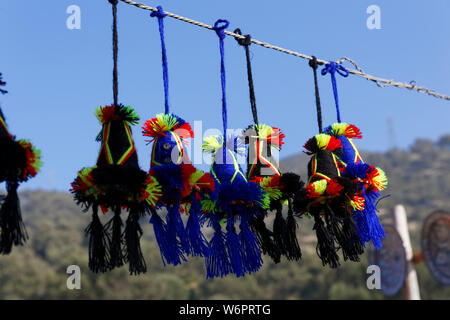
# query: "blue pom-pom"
[356,170]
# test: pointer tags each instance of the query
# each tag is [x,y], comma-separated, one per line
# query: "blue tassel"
[234,247]
[368,225]
[168,245]
[250,245]
[217,263]
[198,246]
[176,226]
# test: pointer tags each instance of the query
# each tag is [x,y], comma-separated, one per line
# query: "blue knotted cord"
[161,15]
[220,27]
[332,68]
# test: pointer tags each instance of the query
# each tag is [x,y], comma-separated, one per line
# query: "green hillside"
[419,179]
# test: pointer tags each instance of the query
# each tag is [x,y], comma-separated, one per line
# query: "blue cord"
[161,15]
[220,27]
[332,68]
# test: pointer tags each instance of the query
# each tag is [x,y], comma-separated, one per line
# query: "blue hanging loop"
[220,27]
[161,15]
[332,68]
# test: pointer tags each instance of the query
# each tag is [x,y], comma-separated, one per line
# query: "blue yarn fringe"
[368,225]
[250,246]
[175,225]
[234,248]
[198,246]
[168,244]
[217,263]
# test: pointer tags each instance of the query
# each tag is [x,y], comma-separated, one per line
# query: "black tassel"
[265,238]
[325,243]
[280,231]
[344,230]
[98,244]
[293,251]
[133,233]
[13,230]
[116,252]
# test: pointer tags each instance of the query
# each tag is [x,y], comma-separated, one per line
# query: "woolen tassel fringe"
[250,246]
[344,231]
[280,231]
[293,251]
[265,238]
[12,229]
[234,247]
[368,225]
[169,247]
[325,243]
[175,224]
[217,263]
[198,246]
[99,241]
[133,234]
[116,251]
[353,248]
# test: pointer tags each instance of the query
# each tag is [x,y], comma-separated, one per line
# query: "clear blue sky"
[57,77]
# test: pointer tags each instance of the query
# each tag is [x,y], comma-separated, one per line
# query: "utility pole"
[411,286]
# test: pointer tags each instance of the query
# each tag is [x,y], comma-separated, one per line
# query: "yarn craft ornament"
[370,179]
[114,184]
[19,161]
[263,169]
[183,185]
[328,197]
[332,197]
[235,199]
[280,188]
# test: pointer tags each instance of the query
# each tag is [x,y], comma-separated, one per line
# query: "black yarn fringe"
[133,233]
[325,249]
[292,248]
[12,229]
[265,238]
[116,252]
[343,228]
[99,241]
[280,231]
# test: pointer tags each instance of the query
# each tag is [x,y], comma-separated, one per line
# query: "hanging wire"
[380,82]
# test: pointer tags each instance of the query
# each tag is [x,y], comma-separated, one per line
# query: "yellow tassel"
[212,143]
[380,180]
[322,140]
[338,129]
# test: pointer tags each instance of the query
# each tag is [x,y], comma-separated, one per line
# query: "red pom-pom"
[333,188]
[353,132]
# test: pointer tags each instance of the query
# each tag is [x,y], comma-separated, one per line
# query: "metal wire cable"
[380,82]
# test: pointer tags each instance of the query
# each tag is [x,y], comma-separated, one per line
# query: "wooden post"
[411,285]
